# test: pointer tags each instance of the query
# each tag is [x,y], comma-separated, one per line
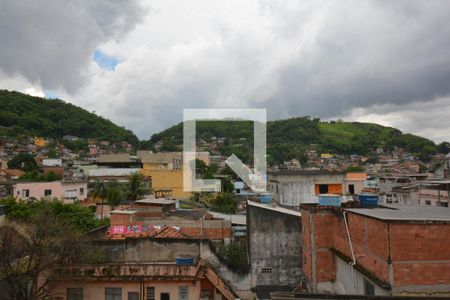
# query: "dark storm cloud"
[51,42]
[389,52]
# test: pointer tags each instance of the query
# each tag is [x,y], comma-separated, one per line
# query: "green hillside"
[22,114]
[290,138]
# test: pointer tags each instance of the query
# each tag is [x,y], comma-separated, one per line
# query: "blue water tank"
[330,200]
[368,200]
[265,198]
[184,260]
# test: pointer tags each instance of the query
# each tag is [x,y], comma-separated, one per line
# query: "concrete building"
[274,246]
[294,187]
[52,162]
[397,250]
[67,191]
[435,193]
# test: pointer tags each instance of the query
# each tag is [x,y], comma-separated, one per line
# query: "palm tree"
[99,191]
[137,186]
[113,194]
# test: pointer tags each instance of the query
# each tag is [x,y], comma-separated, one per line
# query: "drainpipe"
[353,262]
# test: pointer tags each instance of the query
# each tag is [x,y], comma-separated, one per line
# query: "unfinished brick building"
[381,251]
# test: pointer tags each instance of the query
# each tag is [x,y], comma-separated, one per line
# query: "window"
[323,188]
[47,192]
[351,189]
[74,293]
[150,293]
[26,193]
[427,202]
[165,296]
[369,288]
[183,292]
[113,294]
[81,191]
[133,295]
[266,271]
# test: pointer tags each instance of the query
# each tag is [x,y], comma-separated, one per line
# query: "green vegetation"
[79,217]
[36,176]
[225,203]
[235,256]
[23,161]
[33,116]
[290,138]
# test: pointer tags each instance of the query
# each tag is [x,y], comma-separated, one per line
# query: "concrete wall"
[354,284]
[274,242]
[148,250]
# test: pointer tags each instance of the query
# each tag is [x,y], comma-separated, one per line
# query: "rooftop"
[123,212]
[304,172]
[114,158]
[161,201]
[405,213]
[161,157]
[238,219]
[275,208]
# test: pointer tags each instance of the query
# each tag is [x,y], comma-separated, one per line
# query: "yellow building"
[40,142]
[165,171]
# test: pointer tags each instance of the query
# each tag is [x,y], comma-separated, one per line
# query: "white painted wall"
[344,280]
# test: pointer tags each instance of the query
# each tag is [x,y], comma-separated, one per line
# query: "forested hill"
[34,116]
[290,138]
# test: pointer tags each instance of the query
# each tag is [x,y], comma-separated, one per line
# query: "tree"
[32,252]
[137,186]
[23,161]
[113,194]
[225,202]
[99,191]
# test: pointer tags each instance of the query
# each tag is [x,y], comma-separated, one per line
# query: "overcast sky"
[140,63]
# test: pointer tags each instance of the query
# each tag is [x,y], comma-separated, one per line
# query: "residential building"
[163,265]
[67,191]
[294,187]
[40,142]
[355,182]
[165,171]
[52,162]
[394,250]
[434,193]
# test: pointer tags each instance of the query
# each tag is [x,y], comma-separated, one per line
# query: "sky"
[139,63]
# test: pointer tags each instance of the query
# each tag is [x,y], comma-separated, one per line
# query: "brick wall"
[419,253]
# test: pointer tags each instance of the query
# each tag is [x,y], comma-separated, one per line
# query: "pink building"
[64,190]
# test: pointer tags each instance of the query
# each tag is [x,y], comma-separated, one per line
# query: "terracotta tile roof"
[155,232]
[170,232]
[13,172]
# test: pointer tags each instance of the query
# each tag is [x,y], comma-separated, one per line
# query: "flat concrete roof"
[124,212]
[239,219]
[305,172]
[275,207]
[155,201]
[405,213]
